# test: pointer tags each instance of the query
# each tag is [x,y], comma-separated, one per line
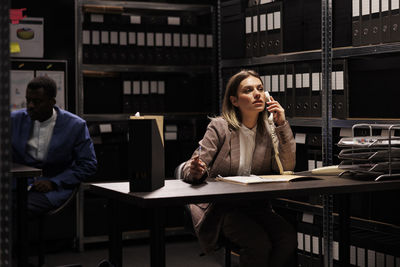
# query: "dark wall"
[59,34]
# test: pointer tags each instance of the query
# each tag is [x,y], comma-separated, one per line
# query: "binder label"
[289,80]
[159,39]
[153,87]
[356,8]
[282,83]
[375,6]
[104,37]
[86,37]
[140,39]
[385,5]
[315,81]
[132,38]
[135,19]
[277,20]
[145,87]
[263,22]
[177,40]
[209,40]
[167,39]
[395,4]
[185,40]
[161,87]
[193,40]
[99,18]
[255,24]
[365,7]
[114,37]
[136,87]
[150,39]
[123,38]
[202,40]
[127,87]
[305,80]
[248,25]
[275,83]
[270,21]
[174,21]
[95,37]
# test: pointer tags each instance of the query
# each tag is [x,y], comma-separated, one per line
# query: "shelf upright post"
[78,59]
[326,127]
[219,57]
[5,148]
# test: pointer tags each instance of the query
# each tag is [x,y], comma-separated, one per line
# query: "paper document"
[254,179]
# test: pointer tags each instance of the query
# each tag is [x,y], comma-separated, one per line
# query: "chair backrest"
[179,170]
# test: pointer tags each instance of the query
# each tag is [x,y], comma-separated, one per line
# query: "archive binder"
[366,35]
[274,27]
[249,32]
[339,90]
[316,96]
[356,23]
[375,25]
[289,99]
[263,33]
[385,27]
[302,90]
[394,21]
[127,97]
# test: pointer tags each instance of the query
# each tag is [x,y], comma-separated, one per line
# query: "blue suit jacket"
[70,158]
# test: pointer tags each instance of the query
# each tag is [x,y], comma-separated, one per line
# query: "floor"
[179,253]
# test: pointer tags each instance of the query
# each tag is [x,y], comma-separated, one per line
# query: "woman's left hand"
[277,110]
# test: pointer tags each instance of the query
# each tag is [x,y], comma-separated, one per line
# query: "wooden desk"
[176,192]
[21,173]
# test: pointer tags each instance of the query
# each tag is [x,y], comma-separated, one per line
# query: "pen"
[199,150]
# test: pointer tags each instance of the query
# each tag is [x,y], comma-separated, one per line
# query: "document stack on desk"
[256,179]
[371,156]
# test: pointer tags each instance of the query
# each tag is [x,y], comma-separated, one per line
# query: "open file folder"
[256,179]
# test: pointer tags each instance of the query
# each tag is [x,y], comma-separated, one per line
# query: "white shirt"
[247,144]
[38,143]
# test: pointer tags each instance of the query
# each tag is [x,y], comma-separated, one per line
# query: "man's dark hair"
[49,85]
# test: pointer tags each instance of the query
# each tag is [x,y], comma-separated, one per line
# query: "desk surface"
[20,171]
[177,192]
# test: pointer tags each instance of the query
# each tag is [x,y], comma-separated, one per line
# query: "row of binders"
[164,40]
[263,29]
[147,93]
[298,87]
[143,96]
[113,47]
[375,21]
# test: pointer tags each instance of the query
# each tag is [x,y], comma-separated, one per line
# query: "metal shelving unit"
[133,8]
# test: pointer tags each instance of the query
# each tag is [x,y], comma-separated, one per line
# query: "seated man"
[54,140]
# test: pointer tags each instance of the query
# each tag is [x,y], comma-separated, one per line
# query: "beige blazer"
[221,152]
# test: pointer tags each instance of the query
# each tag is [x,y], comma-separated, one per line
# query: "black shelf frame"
[147,68]
[337,53]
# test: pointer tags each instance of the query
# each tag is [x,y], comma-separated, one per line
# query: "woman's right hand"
[197,168]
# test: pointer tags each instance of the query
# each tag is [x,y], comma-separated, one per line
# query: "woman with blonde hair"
[242,142]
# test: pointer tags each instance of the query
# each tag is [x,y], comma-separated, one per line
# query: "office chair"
[41,224]
[188,224]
